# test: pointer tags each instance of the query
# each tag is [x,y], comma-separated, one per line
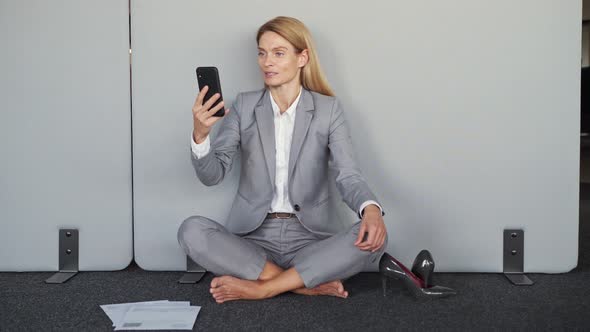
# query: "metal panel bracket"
[514,257]
[194,272]
[68,256]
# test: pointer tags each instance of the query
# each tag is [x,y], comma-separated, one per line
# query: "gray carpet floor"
[484,301]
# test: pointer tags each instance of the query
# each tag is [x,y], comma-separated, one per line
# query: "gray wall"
[65,133]
[465,119]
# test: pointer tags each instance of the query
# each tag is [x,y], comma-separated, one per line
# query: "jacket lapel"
[266,128]
[304,114]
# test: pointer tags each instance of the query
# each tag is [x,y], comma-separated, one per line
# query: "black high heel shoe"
[423,267]
[389,267]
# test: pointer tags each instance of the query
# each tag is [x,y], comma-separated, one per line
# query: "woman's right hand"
[203,118]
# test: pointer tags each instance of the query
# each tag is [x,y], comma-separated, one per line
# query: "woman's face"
[278,61]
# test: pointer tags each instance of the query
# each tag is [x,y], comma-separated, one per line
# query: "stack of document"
[152,315]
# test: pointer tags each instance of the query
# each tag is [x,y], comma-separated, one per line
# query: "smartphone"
[210,76]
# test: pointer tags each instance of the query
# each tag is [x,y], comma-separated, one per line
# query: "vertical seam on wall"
[131,125]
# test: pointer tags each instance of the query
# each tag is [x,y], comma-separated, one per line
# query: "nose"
[267,61]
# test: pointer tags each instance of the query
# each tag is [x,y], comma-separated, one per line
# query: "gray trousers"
[285,242]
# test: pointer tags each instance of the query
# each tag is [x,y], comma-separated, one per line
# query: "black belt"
[280,215]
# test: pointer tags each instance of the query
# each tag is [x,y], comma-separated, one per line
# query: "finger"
[201,109]
[359,238]
[201,96]
[360,235]
[198,107]
[374,244]
[380,241]
[379,236]
[211,120]
[372,235]
[214,110]
[217,107]
[370,245]
[210,102]
[365,247]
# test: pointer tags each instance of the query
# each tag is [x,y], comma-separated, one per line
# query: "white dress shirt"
[284,125]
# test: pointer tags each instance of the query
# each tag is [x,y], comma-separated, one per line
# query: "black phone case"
[210,76]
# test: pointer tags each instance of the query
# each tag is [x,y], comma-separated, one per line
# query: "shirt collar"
[291,110]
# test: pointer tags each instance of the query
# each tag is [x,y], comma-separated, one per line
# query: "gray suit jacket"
[321,140]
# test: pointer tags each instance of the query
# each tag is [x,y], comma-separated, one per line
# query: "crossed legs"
[245,272]
[272,281]
[334,288]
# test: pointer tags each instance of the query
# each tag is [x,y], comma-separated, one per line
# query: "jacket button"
[297,208]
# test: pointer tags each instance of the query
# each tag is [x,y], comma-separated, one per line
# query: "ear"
[303,58]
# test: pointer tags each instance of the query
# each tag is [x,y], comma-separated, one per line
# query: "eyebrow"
[274,49]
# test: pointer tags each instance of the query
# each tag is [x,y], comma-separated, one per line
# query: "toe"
[217,292]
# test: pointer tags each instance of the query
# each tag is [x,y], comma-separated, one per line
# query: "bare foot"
[333,288]
[228,288]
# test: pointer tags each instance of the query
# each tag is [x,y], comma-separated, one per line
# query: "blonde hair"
[295,32]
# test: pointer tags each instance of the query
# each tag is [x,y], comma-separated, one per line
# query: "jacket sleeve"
[213,167]
[350,182]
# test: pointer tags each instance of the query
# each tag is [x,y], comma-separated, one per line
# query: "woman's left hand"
[373,224]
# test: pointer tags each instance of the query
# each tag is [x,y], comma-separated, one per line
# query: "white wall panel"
[65,133]
[465,118]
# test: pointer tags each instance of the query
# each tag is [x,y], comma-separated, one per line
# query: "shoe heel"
[384,285]
[391,267]
[423,267]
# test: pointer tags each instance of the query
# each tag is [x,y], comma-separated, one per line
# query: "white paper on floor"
[152,315]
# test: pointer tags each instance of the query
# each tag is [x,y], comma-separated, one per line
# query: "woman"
[278,236]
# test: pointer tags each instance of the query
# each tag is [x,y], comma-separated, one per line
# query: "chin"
[272,83]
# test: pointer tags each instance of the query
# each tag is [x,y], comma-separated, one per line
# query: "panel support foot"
[514,257]
[68,257]
[194,272]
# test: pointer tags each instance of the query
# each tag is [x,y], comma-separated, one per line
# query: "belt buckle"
[278,214]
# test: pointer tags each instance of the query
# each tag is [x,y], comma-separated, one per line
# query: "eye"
[260,53]
[279,53]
